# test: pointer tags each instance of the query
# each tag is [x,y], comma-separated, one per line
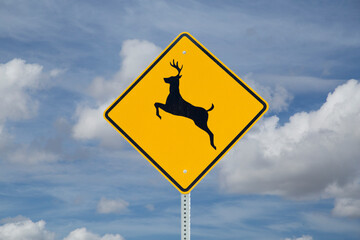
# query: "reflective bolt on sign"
[185,111]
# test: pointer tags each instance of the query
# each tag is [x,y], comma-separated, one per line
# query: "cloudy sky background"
[66,174]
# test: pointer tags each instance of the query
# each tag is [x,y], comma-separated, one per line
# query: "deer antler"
[176,66]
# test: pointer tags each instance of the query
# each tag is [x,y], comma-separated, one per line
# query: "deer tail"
[211,108]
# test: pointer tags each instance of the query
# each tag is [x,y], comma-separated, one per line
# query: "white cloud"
[91,125]
[28,155]
[112,206]
[24,154]
[305,156]
[347,203]
[17,79]
[21,228]
[136,56]
[304,237]
[18,218]
[25,229]
[347,207]
[277,97]
[83,234]
[329,224]
[2,135]
[296,84]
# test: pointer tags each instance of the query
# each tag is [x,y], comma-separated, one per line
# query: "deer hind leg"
[211,135]
[203,126]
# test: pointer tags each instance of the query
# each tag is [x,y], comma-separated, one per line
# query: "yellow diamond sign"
[185,111]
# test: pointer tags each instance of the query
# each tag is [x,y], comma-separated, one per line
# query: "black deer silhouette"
[176,105]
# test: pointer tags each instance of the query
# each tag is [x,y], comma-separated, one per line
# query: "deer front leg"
[166,108]
[157,106]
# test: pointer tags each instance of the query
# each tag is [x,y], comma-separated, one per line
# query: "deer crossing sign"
[185,111]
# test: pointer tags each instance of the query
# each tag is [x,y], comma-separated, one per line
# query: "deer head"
[178,76]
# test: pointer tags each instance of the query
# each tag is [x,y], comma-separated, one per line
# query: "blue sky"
[67,174]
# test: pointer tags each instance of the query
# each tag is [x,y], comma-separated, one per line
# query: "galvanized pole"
[185,216]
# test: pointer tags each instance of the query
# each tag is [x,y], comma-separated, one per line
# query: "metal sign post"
[185,216]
